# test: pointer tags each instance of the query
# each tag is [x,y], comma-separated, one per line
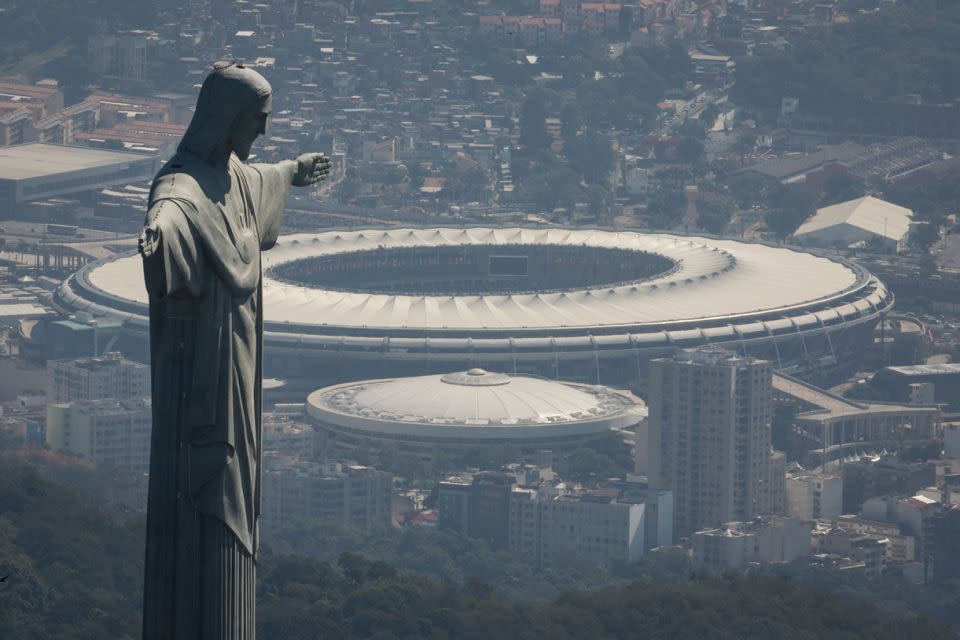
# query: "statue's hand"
[149,240]
[311,169]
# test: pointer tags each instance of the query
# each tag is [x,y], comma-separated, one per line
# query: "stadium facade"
[584,305]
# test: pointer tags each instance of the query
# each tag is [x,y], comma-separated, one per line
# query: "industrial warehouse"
[582,305]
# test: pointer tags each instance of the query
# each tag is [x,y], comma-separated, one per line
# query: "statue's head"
[231,112]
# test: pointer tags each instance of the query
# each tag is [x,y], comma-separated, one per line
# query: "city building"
[123,55]
[722,549]
[765,540]
[354,495]
[290,435]
[37,171]
[900,548]
[808,168]
[814,496]
[51,339]
[97,378]
[545,522]
[478,505]
[951,441]
[946,556]
[454,412]
[916,516]
[846,427]
[595,527]
[875,477]
[22,106]
[14,95]
[896,382]
[709,439]
[114,433]
[861,222]
[866,552]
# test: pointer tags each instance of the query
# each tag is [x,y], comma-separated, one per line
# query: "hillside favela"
[479,319]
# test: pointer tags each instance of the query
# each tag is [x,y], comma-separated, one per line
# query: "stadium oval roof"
[714,279]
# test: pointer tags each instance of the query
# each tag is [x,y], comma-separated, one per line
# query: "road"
[692,109]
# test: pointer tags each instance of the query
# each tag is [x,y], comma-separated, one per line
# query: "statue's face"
[247,127]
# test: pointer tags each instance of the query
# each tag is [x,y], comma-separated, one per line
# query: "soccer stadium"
[574,304]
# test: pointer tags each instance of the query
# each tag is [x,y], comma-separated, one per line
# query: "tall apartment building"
[114,433]
[123,55]
[298,489]
[97,378]
[709,438]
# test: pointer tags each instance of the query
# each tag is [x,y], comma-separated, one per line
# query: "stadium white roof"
[713,279]
[871,214]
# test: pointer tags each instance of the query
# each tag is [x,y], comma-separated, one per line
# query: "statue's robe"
[203,278]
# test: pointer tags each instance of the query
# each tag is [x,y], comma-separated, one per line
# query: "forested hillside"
[74,573]
[908,47]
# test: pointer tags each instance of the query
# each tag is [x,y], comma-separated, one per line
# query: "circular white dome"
[478,396]
[474,404]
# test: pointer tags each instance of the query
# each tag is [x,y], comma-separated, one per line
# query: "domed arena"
[452,412]
[581,304]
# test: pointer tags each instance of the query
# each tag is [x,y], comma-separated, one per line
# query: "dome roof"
[470,401]
[477,396]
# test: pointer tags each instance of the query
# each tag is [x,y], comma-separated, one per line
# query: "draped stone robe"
[203,278]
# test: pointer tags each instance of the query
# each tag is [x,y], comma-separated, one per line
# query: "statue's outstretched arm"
[271,184]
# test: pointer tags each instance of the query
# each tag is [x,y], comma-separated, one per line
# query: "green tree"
[571,122]
[665,207]
[533,122]
[790,207]
[745,143]
[908,348]
[599,199]
[925,235]
[690,150]
[551,187]
[592,156]
[841,187]
[468,185]
[714,214]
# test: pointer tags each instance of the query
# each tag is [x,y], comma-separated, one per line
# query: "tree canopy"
[908,47]
[75,573]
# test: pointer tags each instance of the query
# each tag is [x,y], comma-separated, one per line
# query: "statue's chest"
[237,212]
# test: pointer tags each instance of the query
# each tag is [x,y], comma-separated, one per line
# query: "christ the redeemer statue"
[210,215]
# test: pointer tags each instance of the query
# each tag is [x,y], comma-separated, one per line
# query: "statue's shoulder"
[179,179]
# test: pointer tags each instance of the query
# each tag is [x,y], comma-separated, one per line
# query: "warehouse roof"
[871,214]
[37,160]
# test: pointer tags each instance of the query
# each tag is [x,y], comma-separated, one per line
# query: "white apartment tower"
[709,438]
